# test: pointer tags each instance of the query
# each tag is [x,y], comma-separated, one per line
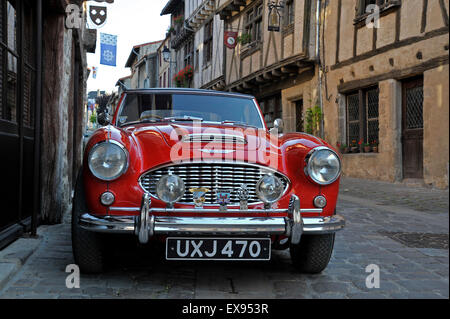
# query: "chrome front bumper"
[146,224]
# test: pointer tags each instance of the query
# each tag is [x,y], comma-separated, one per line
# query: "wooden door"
[17,110]
[412,128]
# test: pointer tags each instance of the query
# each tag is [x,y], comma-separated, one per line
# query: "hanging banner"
[230,39]
[94,72]
[108,49]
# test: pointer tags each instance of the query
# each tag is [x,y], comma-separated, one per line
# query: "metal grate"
[353,107]
[353,133]
[372,115]
[214,138]
[353,118]
[419,240]
[372,104]
[372,131]
[414,108]
[214,176]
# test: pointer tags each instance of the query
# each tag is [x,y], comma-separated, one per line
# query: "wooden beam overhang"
[203,12]
[227,9]
[289,68]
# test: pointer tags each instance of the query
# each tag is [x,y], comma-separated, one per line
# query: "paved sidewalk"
[403,230]
[428,200]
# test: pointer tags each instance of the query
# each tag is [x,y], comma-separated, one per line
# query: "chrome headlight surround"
[312,155]
[122,152]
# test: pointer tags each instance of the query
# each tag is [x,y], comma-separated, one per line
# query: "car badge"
[199,196]
[243,195]
[223,198]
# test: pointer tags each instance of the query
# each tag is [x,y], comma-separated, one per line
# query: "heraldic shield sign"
[230,39]
[97,15]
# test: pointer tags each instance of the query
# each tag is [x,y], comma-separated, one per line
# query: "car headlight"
[269,188]
[170,188]
[108,160]
[324,166]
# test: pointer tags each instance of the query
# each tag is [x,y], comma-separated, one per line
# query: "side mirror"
[103,119]
[278,126]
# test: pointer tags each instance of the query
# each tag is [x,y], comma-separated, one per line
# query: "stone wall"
[436,126]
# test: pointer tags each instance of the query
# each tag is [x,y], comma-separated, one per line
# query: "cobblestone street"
[402,229]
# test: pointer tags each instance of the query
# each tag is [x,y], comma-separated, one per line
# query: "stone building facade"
[143,61]
[390,85]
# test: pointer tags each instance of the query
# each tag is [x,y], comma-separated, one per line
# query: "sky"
[134,22]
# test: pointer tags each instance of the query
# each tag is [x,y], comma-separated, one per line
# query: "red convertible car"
[200,172]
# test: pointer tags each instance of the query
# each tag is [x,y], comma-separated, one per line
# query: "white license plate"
[181,248]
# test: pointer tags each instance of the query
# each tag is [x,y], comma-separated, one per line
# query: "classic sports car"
[200,171]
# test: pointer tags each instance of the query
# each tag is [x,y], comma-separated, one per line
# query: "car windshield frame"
[189,118]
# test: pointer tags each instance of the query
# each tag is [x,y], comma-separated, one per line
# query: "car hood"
[206,136]
[218,139]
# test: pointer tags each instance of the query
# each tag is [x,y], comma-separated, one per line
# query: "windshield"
[145,107]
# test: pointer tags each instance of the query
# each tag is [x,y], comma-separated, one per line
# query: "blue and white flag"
[108,49]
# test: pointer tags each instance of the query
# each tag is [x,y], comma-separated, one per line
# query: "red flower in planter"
[184,75]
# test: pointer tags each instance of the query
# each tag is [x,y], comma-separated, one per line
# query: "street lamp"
[166,54]
[274,15]
[167,57]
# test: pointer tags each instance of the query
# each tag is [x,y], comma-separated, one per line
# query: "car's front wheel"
[87,246]
[313,253]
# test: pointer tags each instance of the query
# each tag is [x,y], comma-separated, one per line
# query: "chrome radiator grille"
[214,138]
[214,176]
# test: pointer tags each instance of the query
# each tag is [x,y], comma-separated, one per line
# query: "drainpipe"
[319,63]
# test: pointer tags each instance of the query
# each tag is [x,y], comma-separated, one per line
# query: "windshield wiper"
[237,123]
[183,118]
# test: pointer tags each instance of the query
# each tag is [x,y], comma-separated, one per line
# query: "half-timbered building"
[278,68]
[386,87]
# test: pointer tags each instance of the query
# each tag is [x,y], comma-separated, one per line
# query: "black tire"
[86,246]
[313,253]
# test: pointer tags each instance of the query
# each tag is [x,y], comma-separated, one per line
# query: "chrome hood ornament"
[243,195]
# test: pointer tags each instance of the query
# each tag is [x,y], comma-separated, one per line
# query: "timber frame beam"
[289,68]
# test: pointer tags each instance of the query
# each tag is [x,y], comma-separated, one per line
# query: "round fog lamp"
[320,201]
[107,198]
[269,189]
[170,188]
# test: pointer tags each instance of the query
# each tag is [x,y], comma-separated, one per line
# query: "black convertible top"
[189,91]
